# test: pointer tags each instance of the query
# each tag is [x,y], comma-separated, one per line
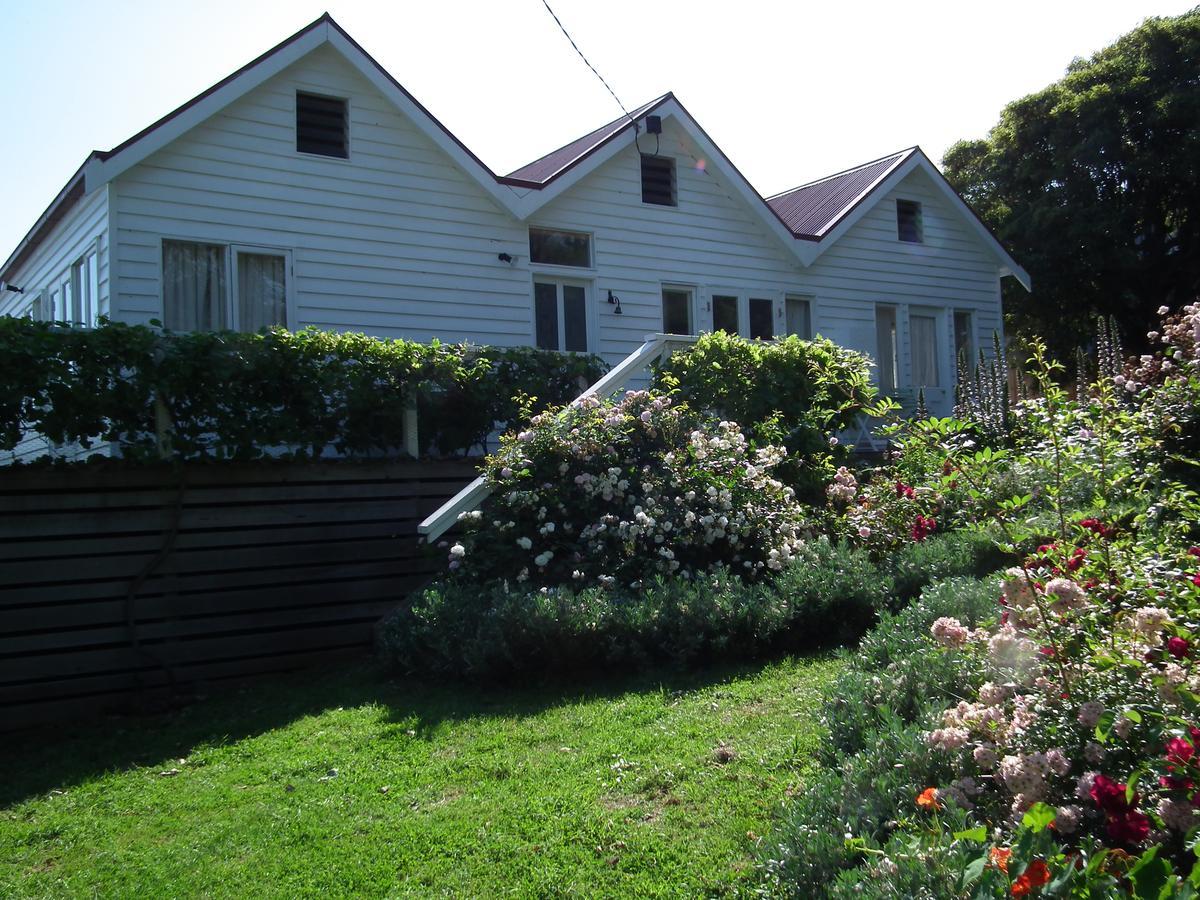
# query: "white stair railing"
[655,348]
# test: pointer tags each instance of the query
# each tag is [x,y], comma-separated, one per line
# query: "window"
[923,329]
[677,311]
[908,221]
[560,248]
[560,316]
[725,314]
[964,339]
[885,348]
[321,125]
[200,295]
[799,316]
[658,180]
[762,319]
[73,298]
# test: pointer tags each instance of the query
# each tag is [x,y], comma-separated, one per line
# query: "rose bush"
[1058,752]
[611,493]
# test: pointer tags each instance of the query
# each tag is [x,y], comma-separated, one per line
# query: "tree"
[1094,184]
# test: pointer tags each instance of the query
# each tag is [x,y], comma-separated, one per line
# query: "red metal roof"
[545,169]
[812,209]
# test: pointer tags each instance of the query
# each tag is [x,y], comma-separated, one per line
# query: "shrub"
[827,594]
[789,391]
[613,492]
[892,673]
[232,395]
[941,556]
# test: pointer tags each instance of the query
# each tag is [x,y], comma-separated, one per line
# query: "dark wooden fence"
[120,588]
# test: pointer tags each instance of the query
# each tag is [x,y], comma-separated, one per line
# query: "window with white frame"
[886,347]
[923,345]
[73,298]
[210,287]
[560,315]
[726,314]
[762,318]
[677,310]
[560,248]
[799,316]
[964,338]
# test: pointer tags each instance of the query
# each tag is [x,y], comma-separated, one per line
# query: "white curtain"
[262,291]
[923,331]
[193,286]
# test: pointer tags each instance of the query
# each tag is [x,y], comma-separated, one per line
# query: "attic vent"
[908,221]
[321,125]
[658,180]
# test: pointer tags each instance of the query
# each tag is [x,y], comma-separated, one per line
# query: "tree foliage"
[1094,184]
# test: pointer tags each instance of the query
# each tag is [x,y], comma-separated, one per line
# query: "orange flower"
[999,857]
[1035,875]
[927,799]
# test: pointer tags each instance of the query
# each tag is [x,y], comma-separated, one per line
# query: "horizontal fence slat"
[271,566]
[75,618]
[34,572]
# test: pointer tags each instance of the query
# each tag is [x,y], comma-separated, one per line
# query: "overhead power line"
[589,65]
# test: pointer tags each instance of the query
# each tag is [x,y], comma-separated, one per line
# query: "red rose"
[1109,795]
[1130,827]
[1193,551]
[1179,752]
[1177,647]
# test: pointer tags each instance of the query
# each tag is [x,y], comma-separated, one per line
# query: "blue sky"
[790,90]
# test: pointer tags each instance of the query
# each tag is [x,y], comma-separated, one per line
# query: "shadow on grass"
[38,761]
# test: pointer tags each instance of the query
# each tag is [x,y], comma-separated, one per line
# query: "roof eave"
[72,192]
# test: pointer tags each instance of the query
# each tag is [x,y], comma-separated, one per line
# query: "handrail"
[654,348]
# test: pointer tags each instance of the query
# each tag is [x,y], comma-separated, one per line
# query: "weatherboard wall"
[83,227]
[395,241]
[950,270]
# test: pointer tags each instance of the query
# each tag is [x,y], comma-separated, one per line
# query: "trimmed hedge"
[241,396]
[463,629]
[791,392]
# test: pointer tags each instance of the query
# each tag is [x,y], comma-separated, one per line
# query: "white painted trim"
[529,204]
[485,178]
[97,172]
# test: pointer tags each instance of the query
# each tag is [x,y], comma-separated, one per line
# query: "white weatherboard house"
[309,188]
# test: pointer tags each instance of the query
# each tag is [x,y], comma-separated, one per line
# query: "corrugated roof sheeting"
[811,209]
[543,169]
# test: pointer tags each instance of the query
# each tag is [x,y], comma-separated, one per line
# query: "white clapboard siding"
[395,241]
[952,270]
[84,227]
[712,242]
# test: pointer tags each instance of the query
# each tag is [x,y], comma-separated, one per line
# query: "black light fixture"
[505,257]
[13,288]
[614,300]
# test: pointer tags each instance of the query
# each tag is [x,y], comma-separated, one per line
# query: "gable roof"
[804,219]
[545,169]
[811,209]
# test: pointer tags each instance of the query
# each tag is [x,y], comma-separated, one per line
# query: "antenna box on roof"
[653,124]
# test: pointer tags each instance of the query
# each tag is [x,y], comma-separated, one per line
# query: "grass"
[347,783]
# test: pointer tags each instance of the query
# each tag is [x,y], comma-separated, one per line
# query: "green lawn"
[346,783]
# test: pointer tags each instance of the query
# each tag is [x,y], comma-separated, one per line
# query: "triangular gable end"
[104,167]
[802,250]
[917,159]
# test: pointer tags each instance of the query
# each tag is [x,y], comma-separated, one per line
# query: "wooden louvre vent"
[321,125]
[658,180]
